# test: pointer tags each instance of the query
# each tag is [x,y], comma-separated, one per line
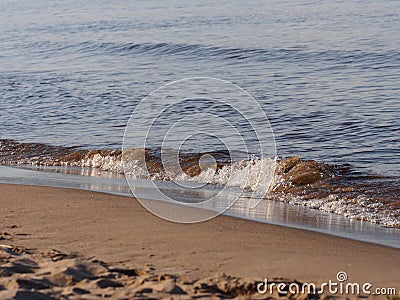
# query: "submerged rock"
[297,172]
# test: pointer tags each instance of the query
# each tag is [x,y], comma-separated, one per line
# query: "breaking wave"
[334,188]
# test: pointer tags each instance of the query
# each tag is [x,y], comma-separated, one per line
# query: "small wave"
[374,60]
[198,51]
[332,188]
[192,51]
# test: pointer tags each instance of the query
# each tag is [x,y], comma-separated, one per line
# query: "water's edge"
[271,212]
[336,188]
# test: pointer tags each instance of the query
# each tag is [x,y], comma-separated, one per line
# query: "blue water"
[326,73]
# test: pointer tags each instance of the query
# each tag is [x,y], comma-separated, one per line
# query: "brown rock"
[192,170]
[305,173]
[75,156]
[288,163]
[111,152]
[92,153]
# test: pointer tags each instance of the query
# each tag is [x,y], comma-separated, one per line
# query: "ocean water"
[325,73]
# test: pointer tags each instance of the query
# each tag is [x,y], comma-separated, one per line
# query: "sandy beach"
[54,227]
[280,114]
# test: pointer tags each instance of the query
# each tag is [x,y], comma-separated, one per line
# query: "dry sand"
[80,244]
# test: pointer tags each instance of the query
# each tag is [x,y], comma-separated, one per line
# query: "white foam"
[360,208]
[256,175]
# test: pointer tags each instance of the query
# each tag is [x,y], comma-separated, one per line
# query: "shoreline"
[118,230]
[334,188]
[271,212]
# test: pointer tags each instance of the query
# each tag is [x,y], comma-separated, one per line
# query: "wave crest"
[332,188]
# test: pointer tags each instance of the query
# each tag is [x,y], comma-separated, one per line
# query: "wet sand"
[84,228]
